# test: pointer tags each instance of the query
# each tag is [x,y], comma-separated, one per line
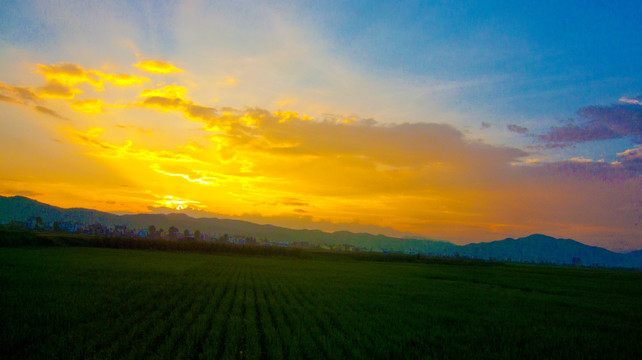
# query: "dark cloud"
[631,160]
[49,112]
[631,154]
[485,125]
[596,123]
[294,202]
[199,112]
[163,102]
[517,129]
[596,171]
[8,99]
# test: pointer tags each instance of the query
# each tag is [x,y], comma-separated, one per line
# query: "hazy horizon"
[328,228]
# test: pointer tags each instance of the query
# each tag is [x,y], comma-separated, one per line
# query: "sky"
[447,120]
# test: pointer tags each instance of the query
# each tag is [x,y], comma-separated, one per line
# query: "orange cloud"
[17,94]
[156,66]
[57,90]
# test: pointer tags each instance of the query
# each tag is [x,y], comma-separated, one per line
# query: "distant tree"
[186,234]
[151,231]
[197,235]
[56,226]
[173,232]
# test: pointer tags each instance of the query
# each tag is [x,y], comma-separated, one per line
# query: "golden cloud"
[65,75]
[156,66]
[170,91]
[89,106]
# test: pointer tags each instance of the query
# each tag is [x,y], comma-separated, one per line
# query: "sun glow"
[177,203]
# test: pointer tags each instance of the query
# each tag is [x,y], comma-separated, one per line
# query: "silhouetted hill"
[541,248]
[534,248]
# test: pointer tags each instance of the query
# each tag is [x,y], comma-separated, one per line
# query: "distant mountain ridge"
[534,248]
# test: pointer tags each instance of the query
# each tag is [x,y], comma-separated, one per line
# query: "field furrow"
[216,339]
[330,336]
[125,304]
[304,324]
[272,343]
[275,304]
[151,332]
[196,340]
[254,342]
[233,341]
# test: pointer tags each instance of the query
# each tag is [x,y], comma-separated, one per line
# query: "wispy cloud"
[637,100]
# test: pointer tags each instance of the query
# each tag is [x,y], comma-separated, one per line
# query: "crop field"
[90,303]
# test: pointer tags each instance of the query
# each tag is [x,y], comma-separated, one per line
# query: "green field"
[90,303]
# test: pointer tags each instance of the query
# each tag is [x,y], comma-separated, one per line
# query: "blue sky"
[549,87]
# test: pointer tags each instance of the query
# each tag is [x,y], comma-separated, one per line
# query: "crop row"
[132,305]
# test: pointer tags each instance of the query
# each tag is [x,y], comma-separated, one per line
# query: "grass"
[90,303]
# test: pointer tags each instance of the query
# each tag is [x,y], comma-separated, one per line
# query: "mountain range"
[534,248]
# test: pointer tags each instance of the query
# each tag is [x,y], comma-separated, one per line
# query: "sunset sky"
[447,120]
